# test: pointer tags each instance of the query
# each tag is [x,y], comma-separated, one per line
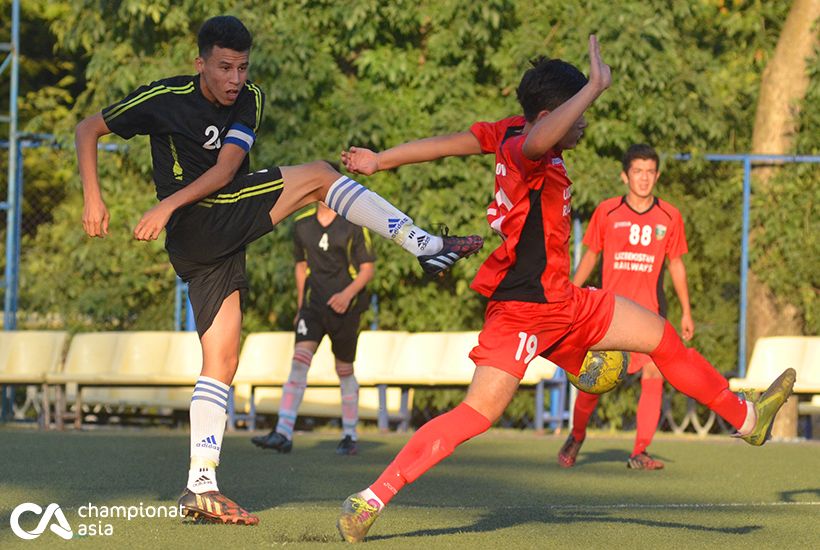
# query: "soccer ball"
[601,372]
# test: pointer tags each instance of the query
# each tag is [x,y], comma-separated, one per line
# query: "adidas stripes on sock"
[357,204]
[208,413]
[293,391]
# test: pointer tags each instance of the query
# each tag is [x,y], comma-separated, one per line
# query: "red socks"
[649,412]
[585,404]
[691,374]
[431,444]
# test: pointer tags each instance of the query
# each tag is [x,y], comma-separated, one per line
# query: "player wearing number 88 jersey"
[636,233]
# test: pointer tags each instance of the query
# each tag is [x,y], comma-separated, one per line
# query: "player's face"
[223,74]
[573,135]
[641,178]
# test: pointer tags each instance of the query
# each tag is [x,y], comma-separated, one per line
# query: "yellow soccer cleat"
[767,405]
[357,517]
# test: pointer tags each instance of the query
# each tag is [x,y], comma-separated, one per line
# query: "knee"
[221,367]
[344,369]
[323,171]
[320,175]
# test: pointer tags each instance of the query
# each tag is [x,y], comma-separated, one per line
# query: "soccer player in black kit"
[334,262]
[202,128]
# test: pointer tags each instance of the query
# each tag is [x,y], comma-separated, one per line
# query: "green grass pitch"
[501,490]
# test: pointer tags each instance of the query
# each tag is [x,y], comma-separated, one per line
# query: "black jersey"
[186,130]
[333,254]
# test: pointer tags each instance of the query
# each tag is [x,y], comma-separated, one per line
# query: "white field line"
[583,507]
[690,505]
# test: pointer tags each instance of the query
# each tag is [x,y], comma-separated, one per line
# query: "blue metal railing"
[748,160]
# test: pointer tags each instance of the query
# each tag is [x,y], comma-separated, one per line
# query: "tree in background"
[782,285]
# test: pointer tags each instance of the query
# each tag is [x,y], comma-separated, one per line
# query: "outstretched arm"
[585,267]
[220,174]
[678,273]
[549,129]
[86,137]
[364,161]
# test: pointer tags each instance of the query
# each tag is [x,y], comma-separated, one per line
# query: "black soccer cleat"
[453,249]
[273,440]
[347,446]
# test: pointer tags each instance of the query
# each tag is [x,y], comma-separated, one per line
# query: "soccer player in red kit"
[636,233]
[533,307]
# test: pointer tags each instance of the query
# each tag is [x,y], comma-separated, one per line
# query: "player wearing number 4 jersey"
[636,233]
[202,129]
[533,308]
[334,262]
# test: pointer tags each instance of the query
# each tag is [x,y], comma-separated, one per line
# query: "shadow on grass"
[605,455]
[789,496]
[610,455]
[505,518]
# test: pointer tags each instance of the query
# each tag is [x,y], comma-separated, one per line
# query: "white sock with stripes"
[209,405]
[293,391]
[358,204]
[350,405]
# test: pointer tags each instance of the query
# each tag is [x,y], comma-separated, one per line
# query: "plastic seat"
[770,357]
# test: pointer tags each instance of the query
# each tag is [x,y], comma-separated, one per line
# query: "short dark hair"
[225,31]
[548,84]
[639,151]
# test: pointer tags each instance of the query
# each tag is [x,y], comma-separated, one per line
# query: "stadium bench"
[150,359]
[264,366]
[441,360]
[26,357]
[773,354]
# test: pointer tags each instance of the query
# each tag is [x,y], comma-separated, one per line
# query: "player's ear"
[199,64]
[624,177]
[541,115]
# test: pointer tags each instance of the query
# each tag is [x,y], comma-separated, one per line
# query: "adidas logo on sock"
[209,443]
[202,480]
[422,241]
[394,224]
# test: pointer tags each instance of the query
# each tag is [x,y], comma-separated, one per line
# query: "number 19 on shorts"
[528,343]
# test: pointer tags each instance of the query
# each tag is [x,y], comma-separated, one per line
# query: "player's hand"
[95,218]
[600,75]
[687,327]
[360,161]
[152,223]
[339,302]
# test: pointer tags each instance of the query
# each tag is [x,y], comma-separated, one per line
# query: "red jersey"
[531,211]
[635,245]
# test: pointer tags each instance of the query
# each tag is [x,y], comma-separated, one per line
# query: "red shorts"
[637,361]
[515,332]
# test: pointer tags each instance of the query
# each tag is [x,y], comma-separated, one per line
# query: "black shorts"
[314,322]
[206,241]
